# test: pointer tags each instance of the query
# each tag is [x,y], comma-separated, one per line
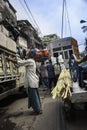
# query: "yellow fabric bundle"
[62,88]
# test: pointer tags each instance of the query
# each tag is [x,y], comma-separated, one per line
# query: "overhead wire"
[32,16]
[25,10]
[65,24]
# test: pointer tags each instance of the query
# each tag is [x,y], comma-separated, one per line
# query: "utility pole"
[62,19]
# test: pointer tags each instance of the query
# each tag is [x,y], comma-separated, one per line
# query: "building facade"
[66,47]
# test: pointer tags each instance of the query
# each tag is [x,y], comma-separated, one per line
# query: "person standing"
[61,62]
[32,82]
[44,75]
[51,74]
[57,70]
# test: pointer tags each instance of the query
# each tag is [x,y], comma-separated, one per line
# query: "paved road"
[14,115]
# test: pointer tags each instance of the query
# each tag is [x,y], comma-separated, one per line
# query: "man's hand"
[11,59]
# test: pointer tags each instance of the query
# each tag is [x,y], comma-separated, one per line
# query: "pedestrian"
[57,70]
[61,62]
[51,74]
[44,75]
[32,81]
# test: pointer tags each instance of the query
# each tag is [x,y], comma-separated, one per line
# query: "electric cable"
[32,16]
[62,19]
[30,19]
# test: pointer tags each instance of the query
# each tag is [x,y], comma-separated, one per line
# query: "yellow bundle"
[62,88]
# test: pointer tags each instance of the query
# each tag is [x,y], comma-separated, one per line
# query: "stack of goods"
[62,88]
[5,40]
[42,54]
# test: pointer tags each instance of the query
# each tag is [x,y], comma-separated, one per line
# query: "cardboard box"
[11,45]
[2,40]
[4,30]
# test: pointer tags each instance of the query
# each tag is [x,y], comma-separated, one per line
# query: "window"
[61,53]
[66,54]
[57,49]
[55,54]
[70,52]
[67,47]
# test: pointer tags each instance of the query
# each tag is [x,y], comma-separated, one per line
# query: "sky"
[48,17]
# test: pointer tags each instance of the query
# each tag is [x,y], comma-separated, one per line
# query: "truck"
[16,36]
[11,77]
[13,45]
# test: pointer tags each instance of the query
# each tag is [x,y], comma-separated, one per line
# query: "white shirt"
[31,78]
[56,69]
[60,59]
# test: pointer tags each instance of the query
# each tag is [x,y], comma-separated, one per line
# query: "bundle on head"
[31,53]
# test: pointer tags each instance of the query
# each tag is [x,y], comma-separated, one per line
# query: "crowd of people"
[48,76]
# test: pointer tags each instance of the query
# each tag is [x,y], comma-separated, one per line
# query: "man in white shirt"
[32,81]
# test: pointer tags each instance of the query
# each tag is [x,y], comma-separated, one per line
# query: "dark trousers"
[51,82]
[34,99]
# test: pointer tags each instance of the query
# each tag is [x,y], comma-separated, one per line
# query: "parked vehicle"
[11,77]
[78,71]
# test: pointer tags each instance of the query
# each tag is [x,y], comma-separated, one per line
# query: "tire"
[74,74]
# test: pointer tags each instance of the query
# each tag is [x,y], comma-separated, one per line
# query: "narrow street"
[42,43]
[16,116]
